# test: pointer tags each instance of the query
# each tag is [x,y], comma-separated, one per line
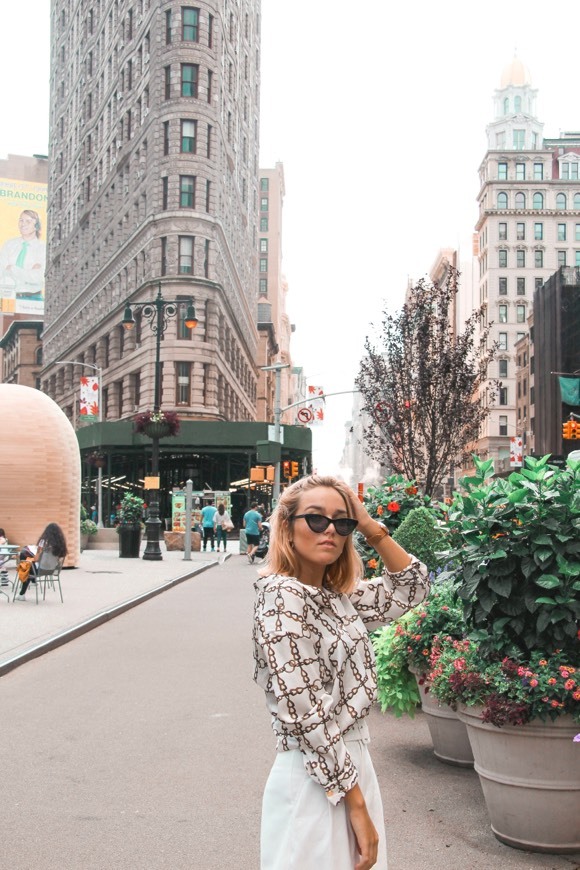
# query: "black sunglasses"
[318,523]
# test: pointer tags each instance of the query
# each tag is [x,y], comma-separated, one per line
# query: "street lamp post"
[74,362]
[277,368]
[157,312]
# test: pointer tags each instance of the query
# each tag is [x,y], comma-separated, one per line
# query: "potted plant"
[157,424]
[516,676]
[97,459]
[129,526]
[87,528]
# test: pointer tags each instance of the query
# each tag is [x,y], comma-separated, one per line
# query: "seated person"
[3,560]
[51,548]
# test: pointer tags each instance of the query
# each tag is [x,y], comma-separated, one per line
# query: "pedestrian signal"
[294,469]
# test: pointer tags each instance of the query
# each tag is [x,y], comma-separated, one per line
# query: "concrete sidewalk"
[103,586]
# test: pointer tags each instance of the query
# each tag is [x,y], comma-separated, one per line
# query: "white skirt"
[301,829]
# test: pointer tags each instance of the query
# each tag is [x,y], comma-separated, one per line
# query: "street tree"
[424,384]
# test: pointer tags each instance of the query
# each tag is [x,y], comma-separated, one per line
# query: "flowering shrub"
[510,691]
[131,509]
[440,613]
[143,420]
[396,685]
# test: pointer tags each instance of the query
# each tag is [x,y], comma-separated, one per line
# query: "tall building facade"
[154,188]
[154,184]
[528,227]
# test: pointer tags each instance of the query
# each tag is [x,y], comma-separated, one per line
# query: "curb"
[94,621]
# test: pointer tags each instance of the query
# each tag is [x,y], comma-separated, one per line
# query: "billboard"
[22,246]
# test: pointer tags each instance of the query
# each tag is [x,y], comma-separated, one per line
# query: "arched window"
[517,104]
[538,200]
[561,201]
[520,200]
[38,356]
[506,106]
[577,200]
[502,201]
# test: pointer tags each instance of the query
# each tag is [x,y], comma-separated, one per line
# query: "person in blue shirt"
[253,527]
[207,515]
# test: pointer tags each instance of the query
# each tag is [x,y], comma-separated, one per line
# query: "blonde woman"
[322,807]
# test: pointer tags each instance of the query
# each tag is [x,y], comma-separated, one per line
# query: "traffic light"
[568,430]
[574,430]
[294,469]
[286,468]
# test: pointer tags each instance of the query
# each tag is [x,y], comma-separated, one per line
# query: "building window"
[539,259]
[183,383]
[502,200]
[502,341]
[503,286]
[209,85]
[502,258]
[520,313]
[561,201]
[164,255]
[503,395]
[577,233]
[502,232]
[208,149]
[263,286]
[164,192]
[521,286]
[264,224]
[538,171]
[165,138]
[187,191]
[188,137]
[561,258]
[168,27]
[503,424]
[519,139]
[207,195]
[503,368]
[561,232]
[189,79]
[577,258]
[520,200]
[264,183]
[263,246]
[520,335]
[186,245]
[167,82]
[520,232]
[503,313]
[576,201]
[521,259]
[570,171]
[263,264]
[206,250]
[520,171]
[264,203]
[538,200]
[189,24]
[532,395]
[502,171]
[210,32]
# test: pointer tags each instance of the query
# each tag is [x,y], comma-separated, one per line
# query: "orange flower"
[372,563]
[543,662]
[551,681]
[394,507]
[411,490]
[380,510]
[569,685]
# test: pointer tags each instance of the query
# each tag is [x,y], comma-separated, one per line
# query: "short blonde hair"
[282,558]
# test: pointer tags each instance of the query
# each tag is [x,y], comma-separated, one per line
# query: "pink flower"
[577,738]
[569,685]
[533,683]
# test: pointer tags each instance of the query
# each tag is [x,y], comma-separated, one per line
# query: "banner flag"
[315,405]
[516,450]
[570,390]
[89,400]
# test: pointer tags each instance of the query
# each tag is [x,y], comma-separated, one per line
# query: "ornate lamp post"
[157,312]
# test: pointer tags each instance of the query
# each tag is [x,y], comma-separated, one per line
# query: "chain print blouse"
[316,664]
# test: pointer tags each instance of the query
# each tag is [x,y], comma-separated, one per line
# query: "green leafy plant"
[131,510]
[440,614]
[420,535]
[88,527]
[517,555]
[169,418]
[396,686]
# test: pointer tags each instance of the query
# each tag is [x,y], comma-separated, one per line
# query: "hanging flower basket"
[97,459]
[160,424]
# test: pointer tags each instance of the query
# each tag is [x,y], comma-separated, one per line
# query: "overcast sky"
[378,114]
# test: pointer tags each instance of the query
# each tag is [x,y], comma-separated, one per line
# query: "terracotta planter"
[529,776]
[449,735]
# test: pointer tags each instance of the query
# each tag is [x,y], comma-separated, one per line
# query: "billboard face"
[22,246]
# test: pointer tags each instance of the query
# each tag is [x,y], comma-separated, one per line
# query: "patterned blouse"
[316,664]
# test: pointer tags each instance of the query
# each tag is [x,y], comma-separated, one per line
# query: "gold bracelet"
[384,533]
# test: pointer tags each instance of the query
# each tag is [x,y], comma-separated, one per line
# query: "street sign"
[305,415]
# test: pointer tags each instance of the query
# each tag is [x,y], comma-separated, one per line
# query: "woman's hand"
[367,839]
[366,524]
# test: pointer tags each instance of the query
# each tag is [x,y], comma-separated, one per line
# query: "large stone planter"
[530,780]
[449,735]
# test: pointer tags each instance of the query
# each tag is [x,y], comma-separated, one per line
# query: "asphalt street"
[144,744]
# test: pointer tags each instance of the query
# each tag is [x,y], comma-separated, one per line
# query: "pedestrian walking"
[322,807]
[253,525]
[222,524]
[207,516]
